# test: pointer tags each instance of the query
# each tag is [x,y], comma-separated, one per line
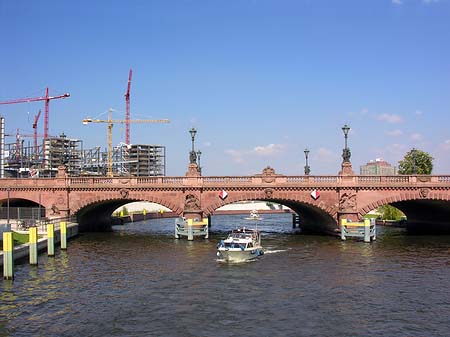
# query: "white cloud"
[416,137]
[396,150]
[325,155]
[268,149]
[397,2]
[389,118]
[394,133]
[418,113]
[240,156]
[446,145]
[236,156]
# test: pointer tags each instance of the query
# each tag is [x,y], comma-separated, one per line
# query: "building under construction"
[139,160]
[25,160]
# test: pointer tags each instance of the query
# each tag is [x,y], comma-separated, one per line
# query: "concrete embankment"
[22,251]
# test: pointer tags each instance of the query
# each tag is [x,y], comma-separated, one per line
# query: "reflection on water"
[140,281]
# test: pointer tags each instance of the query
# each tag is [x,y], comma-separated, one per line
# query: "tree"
[416,162]
[390,213]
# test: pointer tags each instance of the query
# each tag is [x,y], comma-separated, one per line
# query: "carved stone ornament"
[424,179]
[191,204]
[268,175]
[124,193]
[347,202]
[423,192]
[268,192]
[55,209]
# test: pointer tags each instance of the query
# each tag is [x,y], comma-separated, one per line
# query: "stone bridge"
[425,199]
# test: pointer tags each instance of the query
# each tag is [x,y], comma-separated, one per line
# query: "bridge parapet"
[246,180]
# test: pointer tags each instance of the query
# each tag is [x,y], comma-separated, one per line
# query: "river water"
[140,281]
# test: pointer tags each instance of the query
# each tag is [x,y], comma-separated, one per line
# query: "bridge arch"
[314,218]
[426,210]
[95,213]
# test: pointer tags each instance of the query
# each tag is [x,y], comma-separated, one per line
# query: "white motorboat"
[254,215]
[241,245]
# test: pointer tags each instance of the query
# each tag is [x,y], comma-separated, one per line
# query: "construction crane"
[110,123]
[45,98]
[127,113]
[36,119]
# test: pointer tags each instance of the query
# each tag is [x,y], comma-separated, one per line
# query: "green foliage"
[391,213]
[20,238]
[416,162]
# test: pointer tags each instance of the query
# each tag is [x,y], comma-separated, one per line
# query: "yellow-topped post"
[32,235]
[63,229]
[50,239]
[8,260]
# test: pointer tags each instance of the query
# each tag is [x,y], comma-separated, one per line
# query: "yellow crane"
[110,123]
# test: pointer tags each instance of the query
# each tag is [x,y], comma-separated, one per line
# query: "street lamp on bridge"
[346,154]
[192,154]
[307,168]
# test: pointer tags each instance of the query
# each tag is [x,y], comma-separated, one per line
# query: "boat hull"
[238,255]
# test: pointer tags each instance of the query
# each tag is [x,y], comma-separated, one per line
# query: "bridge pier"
[349,216]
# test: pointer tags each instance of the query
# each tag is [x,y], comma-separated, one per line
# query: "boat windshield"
[234,245]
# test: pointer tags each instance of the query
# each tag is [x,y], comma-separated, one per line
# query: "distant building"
[378,167]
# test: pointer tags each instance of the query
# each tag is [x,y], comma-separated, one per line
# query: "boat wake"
[275,251]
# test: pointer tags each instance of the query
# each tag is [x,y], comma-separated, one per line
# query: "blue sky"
[260,80]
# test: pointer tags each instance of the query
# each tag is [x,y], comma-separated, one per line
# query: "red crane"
[127,114]
[36,119]
[45,98]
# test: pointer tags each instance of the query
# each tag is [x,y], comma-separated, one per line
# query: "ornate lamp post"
[192,154]
[307,168]
[199,153]
[346,154]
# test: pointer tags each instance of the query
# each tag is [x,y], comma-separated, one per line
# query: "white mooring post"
[63,232]
[190,230]
[206,227]
[366,230]
[8,259]
[373,225]
[50,239]
[33,245]
[343,224]
[177,236]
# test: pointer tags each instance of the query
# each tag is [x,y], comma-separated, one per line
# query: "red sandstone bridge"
[425,199]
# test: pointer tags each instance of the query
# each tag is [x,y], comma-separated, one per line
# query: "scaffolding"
[140,160]
[62,151]
[147,160]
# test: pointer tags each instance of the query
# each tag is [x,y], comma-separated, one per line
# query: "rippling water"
[140,281]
